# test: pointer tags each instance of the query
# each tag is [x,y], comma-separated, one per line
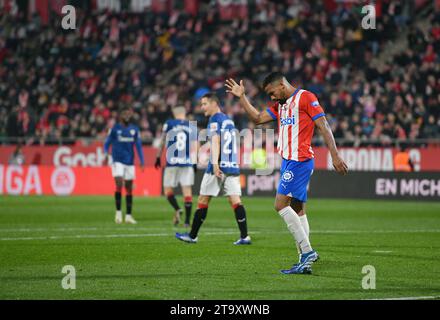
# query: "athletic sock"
[118,197]
[172,200]
[129,203]
[188,208]
[240,216]
[199,217]
[305,224]
[294,225]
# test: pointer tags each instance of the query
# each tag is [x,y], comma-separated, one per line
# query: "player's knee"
[278,206]
[300,212]
[234,202]
[118,183]
[203,201]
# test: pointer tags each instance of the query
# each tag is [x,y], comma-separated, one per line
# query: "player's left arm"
[139,150]
[311,105]
[326,132]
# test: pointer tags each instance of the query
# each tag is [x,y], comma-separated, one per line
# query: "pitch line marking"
[409,298]
[116,228]
[97,236]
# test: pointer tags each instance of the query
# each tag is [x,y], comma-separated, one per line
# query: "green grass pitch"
[40,235]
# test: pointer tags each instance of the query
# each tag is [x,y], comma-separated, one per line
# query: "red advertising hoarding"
[64,181]
[358,159]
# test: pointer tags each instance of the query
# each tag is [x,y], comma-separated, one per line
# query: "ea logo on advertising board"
[287,176]
[62,181]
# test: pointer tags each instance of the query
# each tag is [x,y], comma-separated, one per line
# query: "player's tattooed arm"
[326,132]
[238,90]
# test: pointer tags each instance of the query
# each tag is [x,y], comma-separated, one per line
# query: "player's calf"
[118,200]
[199,218]
[240,217]
[188,209]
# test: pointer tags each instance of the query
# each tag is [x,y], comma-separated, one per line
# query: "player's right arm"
[162,142]
[215,153]
[107,143]
[239,91]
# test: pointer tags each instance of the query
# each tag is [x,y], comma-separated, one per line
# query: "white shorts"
[120,170]
[173,176]
[211,185]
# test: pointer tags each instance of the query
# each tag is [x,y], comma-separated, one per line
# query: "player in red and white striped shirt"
[297,112]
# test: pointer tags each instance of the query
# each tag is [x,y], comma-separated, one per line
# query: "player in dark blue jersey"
[180,140]
[222,172]
[123,137]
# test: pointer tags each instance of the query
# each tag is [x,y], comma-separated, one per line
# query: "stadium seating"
[58,84]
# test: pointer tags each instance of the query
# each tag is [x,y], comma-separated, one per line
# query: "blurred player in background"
[180,140]
[297,111]
[123,137]
[222,172]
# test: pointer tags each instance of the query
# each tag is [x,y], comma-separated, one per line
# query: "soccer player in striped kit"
[297,112]
[180,140]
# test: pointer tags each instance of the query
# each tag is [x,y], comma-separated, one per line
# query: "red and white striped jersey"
[296,124]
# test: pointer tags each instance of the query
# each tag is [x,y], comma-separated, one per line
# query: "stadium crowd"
[69,84]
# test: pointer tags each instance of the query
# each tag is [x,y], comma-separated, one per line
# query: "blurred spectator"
[17,157]
[56,84]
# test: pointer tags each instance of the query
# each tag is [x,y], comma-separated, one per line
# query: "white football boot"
[118,217]
[129,219]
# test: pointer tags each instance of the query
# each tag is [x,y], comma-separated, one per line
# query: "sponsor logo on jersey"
[175,160]
[125,139]
[315,103]
[287,121]
[228,164]
[132,132]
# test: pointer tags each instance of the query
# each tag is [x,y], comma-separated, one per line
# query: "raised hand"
[235,88]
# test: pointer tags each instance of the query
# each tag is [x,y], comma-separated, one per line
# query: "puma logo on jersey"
[287,121]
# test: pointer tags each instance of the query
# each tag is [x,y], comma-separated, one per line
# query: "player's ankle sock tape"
[129,203]
[172,200]
[240,216]
[118,197]
[199,217]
